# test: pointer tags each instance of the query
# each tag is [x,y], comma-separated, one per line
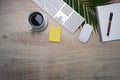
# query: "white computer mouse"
[85,33]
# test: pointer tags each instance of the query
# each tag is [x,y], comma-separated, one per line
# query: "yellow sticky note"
[55,33]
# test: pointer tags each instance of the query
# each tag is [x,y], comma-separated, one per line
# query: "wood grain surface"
[26,55]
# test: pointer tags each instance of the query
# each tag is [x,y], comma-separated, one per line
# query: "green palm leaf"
[86,8]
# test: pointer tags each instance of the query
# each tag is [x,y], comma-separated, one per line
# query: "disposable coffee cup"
[37,21]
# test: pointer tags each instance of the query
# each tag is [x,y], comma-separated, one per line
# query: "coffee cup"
[37,21]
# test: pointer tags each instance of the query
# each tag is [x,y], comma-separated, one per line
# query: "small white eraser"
[85,33]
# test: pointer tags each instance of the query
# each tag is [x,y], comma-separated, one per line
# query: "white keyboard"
[62,13]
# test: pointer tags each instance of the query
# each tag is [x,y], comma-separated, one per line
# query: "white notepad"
[62,13]
[103,20]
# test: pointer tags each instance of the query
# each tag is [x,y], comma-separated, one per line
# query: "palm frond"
[86,8]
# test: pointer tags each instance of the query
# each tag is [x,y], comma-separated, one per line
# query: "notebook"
[109,21]
[62,13]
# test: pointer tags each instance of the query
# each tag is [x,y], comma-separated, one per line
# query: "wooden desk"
[30,56]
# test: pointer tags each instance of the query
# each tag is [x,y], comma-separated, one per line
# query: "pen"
[109,23]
